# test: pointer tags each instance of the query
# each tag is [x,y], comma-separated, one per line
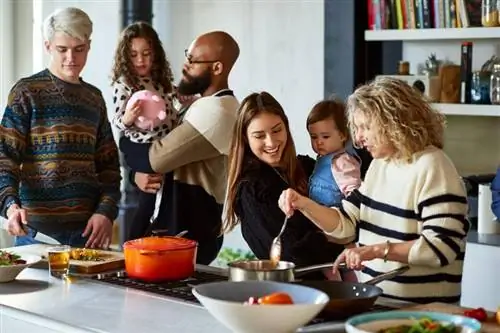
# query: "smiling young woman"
[263,163]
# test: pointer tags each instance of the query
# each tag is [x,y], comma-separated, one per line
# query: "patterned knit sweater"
[424,201]
[58,158]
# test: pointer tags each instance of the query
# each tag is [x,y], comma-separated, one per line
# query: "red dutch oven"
[159,258]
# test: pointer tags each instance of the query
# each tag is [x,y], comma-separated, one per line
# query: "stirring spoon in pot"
[275,252]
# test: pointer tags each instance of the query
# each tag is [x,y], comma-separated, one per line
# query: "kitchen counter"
[89,306]
[483,239]
[481,271]
[45,304]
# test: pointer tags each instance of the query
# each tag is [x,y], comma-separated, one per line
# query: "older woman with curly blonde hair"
[411,208]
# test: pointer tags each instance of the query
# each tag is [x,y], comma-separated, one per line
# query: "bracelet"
[386,251]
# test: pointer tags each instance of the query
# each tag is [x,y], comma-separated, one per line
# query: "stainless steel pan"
[266,270]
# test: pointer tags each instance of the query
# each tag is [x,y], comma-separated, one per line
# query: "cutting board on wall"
[488,327]
[112,260]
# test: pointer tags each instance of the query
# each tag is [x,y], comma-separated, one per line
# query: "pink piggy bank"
[152,109]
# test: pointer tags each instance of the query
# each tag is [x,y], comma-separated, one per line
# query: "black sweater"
[261,220]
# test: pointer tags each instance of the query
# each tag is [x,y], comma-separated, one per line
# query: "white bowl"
[9,273]
[225,301]
[373,322]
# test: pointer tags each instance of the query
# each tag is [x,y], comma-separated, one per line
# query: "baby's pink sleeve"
[346,171]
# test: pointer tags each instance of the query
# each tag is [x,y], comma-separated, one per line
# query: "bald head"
[219,45]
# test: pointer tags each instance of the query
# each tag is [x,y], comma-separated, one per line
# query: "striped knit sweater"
[423,201]
[58,158]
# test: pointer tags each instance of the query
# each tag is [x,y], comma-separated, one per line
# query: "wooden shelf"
[433,34]
[468,109]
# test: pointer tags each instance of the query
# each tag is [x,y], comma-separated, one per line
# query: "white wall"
[473,143]
[7,54]
[281,48]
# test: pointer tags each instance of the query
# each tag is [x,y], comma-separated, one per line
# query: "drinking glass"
[58,257]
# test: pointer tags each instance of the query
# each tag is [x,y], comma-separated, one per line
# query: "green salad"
[9,259]
[424,325]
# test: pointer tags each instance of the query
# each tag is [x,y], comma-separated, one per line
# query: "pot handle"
[314,268]
[153,252]
[388,275]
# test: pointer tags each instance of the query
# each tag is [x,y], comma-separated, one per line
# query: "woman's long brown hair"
[252,106]
[161,71]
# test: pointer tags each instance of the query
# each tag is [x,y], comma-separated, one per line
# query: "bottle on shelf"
[480,87]
[495,85]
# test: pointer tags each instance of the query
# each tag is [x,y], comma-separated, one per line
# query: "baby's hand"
[131,113]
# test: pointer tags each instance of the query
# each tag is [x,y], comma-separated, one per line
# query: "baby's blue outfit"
[323,188]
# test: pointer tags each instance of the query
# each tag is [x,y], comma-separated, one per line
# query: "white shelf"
[468,109]
[433,34]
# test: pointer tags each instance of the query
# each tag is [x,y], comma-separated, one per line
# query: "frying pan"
[350,298]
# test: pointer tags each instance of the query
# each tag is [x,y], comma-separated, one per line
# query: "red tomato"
[276,298]
[478,314]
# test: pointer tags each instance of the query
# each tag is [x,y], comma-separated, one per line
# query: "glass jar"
[404,68]
[495,85]
[480,87]
[489,13]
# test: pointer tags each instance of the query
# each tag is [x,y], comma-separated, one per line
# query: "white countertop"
[95,307]
[37,301]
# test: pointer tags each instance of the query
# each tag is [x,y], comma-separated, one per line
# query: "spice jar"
[495,85]
[404,68]
[489,13]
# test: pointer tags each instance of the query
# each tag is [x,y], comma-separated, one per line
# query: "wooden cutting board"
[488,327]
[113,260]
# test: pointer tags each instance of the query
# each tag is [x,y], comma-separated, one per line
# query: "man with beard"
[194,155]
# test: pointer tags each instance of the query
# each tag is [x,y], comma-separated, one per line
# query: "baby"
[337,171]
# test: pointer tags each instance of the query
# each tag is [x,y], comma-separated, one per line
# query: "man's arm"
[182,146]
[14,130]
[205,133]
[107,168]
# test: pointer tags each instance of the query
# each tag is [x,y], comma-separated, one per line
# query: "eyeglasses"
[190,60]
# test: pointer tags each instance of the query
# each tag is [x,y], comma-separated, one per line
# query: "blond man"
[59,166]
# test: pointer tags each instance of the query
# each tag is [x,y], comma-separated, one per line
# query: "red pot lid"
[160,243]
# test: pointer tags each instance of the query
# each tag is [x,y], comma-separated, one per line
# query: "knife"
[37,235]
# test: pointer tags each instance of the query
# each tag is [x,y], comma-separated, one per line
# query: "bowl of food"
[11,264]
[261,306]
[411,321]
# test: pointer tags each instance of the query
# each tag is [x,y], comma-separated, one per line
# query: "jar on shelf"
[495,85]
[404,68]
[480,87]
[489,13]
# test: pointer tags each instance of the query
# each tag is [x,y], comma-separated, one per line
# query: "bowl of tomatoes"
[11,264]
[261,306]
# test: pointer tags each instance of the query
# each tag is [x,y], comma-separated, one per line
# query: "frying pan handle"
[388,275]
[314,268]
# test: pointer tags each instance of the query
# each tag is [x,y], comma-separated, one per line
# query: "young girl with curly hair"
[140,63]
